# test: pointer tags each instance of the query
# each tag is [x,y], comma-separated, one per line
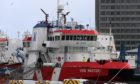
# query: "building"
[124,16]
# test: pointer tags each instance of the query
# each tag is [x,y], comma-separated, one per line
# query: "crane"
[46,16]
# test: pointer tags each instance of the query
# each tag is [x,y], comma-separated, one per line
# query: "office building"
[124,16]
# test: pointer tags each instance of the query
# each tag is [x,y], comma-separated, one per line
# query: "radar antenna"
[65,18]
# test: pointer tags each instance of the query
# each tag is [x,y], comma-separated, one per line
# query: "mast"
[58,13]
[110,47]
[60,8]
[18,33]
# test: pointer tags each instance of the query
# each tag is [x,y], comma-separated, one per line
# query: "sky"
[22,15]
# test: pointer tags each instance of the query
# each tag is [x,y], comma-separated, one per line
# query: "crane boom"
[44,12]
[46,15]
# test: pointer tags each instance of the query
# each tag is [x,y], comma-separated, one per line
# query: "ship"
[8,62]
[61,49]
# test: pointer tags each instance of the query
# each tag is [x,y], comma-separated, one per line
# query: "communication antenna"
[58,13]
[58,1]
[60,8]
[46,15]
[18,32]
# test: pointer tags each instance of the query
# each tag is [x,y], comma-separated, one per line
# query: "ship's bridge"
[27,41]
[60,38]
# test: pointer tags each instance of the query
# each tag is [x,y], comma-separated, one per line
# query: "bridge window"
[26,44]
[48,38]
[71,37]
[94,38]
[79,37]
[74,37]
[67,37]
[88,38]
[63,37]
[57,38]
[85,38]
[91,38]
[51,38]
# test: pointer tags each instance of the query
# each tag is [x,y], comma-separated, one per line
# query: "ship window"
[63,37]
[91,37]
[74,49]
[51,38]
[74,38]
[67,37]
[26,44]
[71,37]
[85,38]
[57,38]
[94,38]
[81,49]
[78,37]
[70,49]
[88,38]
[81,38]
[48,38]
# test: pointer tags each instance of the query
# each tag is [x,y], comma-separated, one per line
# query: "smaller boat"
[3,48]
[8,62]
